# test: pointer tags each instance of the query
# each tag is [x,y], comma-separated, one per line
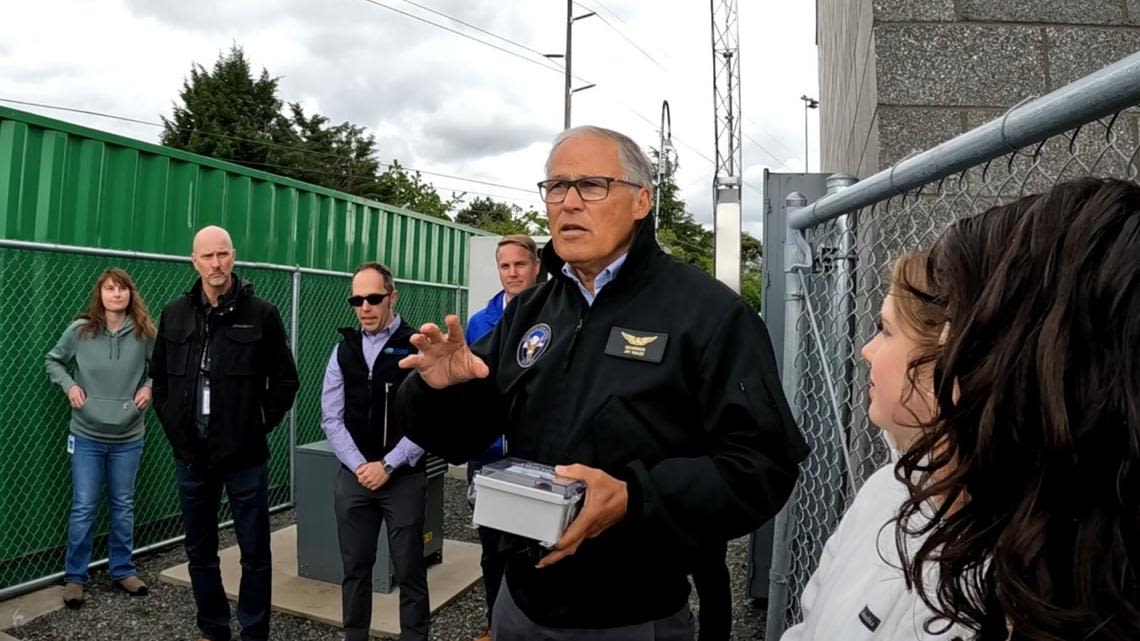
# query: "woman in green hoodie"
[108,348]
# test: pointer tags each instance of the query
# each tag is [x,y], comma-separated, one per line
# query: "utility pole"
[726,110]
[809,103]
[567,59]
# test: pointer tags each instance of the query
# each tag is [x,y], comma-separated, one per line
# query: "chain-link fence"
[41,290]
[837,273]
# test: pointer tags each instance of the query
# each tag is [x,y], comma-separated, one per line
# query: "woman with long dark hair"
[108,349]
[1024,488]
[859,592]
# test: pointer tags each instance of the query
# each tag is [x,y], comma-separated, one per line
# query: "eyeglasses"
[373,299]
[590,188]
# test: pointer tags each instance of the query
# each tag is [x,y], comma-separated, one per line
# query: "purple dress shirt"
[332,409]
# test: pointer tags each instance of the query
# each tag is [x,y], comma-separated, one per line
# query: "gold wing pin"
[638,341]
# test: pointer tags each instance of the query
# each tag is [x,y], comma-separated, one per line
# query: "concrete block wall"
[898,76]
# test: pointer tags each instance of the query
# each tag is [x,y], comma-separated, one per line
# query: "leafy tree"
[228,114]
[402,188]
[686,239]
[500,218]
[341,157]
[482,211]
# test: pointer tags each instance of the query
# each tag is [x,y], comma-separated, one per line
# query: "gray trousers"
[359,514]
[510,624]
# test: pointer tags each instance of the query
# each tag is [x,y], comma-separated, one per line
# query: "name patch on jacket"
[397,351]
[637,345]
[868,618]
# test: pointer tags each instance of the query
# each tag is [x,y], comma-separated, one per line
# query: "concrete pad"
[320,601]
[457,472]
[5,637]
[22,609]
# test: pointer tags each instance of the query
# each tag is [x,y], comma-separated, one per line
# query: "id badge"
[206,400]
[71,444]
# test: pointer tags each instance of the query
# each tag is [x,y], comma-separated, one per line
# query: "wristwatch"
[388,469]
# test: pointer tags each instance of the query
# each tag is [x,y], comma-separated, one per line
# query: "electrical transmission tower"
[728,180]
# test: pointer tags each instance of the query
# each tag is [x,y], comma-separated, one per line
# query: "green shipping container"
[68,185]
[62,183]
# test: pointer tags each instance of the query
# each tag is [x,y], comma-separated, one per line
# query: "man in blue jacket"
[517,260]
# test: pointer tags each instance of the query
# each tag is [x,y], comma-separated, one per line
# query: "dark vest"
[370,396]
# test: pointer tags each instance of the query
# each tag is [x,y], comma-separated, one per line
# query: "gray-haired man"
[638,374]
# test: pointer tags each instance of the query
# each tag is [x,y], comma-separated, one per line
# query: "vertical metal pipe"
[662,158]
[294,331]
[569,41]
[793,306]
[843,330]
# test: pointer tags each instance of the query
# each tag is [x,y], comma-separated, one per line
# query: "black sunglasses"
[373,299]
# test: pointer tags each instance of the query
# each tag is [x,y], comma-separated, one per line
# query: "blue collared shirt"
[332,408]
[601,280]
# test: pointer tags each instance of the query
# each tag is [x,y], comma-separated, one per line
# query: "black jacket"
[253,379]
[370,395]
[667,382]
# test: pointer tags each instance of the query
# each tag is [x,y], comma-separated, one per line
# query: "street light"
[665,146]
[809,103]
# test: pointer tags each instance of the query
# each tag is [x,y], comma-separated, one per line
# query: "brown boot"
[73,596]
[132,585]
[486,636]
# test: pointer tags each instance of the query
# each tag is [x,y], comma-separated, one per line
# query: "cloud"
[436,100]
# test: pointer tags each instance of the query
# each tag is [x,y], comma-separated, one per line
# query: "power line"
[622,35]
[267,143]
[475,27]
[674,137]
[776,139]
[765,150]
[469,36]
[553,68]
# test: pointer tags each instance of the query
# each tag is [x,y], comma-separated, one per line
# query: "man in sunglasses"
[381,479]
[633,372]
[224,377]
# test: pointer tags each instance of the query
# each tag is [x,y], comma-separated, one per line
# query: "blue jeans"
[92,463]
[200,491]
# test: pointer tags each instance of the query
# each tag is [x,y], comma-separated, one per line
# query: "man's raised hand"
[444,359]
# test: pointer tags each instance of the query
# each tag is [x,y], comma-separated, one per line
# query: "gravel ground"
[167,613]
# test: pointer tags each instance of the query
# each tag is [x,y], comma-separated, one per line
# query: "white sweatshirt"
[858,592]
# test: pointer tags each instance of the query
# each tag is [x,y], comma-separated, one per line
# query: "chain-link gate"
[42,288]
[838,267]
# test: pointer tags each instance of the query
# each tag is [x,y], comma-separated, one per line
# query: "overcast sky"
[435,100]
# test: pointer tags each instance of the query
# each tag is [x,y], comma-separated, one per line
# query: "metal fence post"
[793,308]
[294,331]
[843,303]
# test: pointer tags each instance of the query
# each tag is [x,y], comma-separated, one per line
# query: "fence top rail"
[122,253]
[1099,94]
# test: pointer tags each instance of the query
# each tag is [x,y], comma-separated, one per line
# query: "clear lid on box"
[525,473]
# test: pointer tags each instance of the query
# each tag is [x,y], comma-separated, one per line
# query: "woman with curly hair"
[107,348]
[1024,487]
[859,592]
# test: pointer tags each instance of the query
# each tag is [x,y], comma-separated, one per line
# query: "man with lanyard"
[639,375]
[517,259]
[224,377]
[382,478]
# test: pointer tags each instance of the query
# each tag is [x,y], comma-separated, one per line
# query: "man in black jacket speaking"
[223,379]
[638,374]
